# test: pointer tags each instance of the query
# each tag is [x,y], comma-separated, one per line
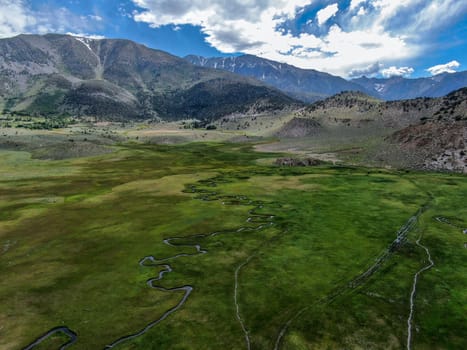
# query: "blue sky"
[350,38]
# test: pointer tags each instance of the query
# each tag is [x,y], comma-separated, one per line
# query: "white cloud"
[198,12]
[87,36]
[355,3]
[95,17]
[437,13]
[356,36]
[394,71]
[254,27]
[361,11]
[14,18]
[449,67]
[369,71]
[232,26]
[62,20]
[325,14]
[378,68]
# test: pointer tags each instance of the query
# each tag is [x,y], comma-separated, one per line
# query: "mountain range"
[398,88]
[116,79]
[309,85]
[120,79]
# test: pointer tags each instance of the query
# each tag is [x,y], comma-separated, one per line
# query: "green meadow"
[277,258]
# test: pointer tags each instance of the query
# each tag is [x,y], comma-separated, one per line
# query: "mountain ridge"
[423,133]
[397,88]
[308,85]
[115,79]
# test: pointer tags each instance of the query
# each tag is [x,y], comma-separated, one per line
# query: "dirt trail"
[414,291]
[237,305]
[262,221]
[359,280]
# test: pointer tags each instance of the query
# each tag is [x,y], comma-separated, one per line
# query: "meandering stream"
[256,221]
[65,330]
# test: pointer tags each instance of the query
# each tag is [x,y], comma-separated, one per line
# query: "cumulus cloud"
[325,14]
[364,32]
[361,11]
[370,70]
[355,3]
[257,27]
[14,18]
[341,37]
[378,68]
[449,67]
[394,71]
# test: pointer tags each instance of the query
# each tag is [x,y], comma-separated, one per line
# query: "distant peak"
[193,56]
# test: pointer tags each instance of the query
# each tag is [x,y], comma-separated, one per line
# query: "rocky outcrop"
[299,127]
[439,141]
[297,162]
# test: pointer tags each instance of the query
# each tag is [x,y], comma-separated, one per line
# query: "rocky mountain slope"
[438,141]
[357,110]
[429,133]
[397,88]
[119,79]
[305,84]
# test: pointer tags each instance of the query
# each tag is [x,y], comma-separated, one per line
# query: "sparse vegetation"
[24,120]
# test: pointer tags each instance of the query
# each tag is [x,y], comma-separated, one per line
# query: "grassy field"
[277,258]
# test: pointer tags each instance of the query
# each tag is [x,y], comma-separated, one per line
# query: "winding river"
[204,190]
[256,221]
[65,330]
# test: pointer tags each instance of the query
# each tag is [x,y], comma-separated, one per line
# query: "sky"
[350,38]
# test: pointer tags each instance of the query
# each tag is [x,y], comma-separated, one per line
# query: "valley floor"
[208,246]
